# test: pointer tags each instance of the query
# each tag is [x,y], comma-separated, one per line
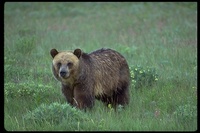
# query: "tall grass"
[162,36]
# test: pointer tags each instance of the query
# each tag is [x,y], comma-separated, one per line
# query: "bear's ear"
[78,53]
[53,52]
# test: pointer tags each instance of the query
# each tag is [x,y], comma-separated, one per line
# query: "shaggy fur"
[102,74]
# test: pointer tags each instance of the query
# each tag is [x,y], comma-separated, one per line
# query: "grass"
[162,36]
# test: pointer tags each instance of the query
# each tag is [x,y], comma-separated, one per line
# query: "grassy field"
[159,41]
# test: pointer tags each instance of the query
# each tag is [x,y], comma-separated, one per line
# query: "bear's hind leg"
[121,97]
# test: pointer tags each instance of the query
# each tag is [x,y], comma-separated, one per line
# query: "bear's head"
[65,64]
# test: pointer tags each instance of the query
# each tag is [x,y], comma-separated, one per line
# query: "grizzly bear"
[103,74]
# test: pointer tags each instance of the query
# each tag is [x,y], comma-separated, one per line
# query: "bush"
[14,90]
[25,45]
[186,113]
[143,77]
[55,113]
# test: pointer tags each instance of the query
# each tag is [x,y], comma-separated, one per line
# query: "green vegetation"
[159,41]
[55,112]
[141,77]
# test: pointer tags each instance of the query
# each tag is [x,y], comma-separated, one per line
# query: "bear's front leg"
[68,93]
[83,98]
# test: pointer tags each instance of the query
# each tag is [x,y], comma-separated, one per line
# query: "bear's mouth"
[64,77]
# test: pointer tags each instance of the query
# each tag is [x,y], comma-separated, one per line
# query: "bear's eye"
[58,64]
[69,64]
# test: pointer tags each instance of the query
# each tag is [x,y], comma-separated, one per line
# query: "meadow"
[159,41]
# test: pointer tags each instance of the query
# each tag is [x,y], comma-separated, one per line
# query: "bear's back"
[110,68]
[107,56]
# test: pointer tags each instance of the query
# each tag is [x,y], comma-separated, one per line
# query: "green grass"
[162,36]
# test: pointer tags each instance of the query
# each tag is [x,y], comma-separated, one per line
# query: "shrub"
[55,113]
[186,112]
[143,77]
[24,89]
[25,45]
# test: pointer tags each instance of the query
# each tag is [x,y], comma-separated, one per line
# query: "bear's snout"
[63,73]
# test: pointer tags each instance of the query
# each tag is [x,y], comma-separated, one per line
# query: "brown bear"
[103,74]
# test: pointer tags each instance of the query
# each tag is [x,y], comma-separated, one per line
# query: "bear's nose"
[62,73]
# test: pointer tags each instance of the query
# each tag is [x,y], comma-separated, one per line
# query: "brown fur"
[102,74]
